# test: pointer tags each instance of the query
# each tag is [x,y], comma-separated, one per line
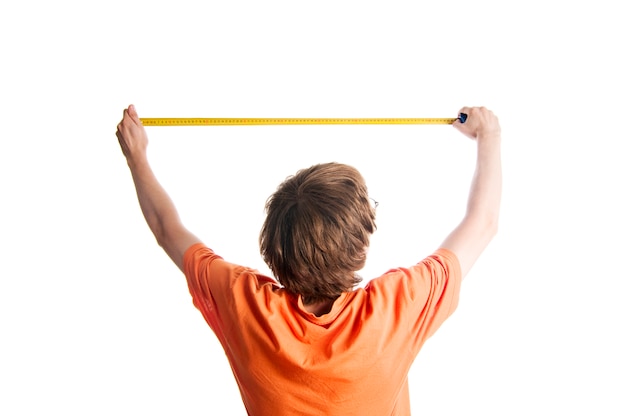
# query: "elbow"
[158,232]
[493,231]
[484,225]
[491,226]
[160,240]
[162,235]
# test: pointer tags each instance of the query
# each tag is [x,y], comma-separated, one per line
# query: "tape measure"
[288,121]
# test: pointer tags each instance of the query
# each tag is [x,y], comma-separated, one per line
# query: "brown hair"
[317,230]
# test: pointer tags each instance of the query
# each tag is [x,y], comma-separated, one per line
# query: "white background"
[95,319]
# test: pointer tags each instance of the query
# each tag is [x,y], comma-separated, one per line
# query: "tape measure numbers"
[286,121]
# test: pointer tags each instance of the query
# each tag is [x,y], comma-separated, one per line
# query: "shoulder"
[438,271]
[202,263]
[198,250]
[446,261]
[197,258]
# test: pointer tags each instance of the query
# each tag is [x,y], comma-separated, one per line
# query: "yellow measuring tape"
[283,121]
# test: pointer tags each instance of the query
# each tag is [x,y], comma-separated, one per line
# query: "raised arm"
[157,207]
[480,223]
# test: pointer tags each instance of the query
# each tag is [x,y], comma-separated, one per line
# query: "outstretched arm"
[480,223]
[157,207]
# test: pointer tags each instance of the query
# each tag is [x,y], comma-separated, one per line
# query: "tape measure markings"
[287,121]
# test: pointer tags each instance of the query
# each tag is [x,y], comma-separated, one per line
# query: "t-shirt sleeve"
[197,268]
[420,298]
[439,283]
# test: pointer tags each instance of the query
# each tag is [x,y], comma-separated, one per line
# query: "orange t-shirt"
[352,361]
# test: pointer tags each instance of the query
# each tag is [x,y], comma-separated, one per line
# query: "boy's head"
[316,233]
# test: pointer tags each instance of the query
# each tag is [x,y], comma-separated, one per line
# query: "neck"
[320,308]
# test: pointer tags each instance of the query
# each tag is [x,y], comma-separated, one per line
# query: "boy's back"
[353,360]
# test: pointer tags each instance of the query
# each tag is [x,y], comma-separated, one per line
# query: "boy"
[313,344]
